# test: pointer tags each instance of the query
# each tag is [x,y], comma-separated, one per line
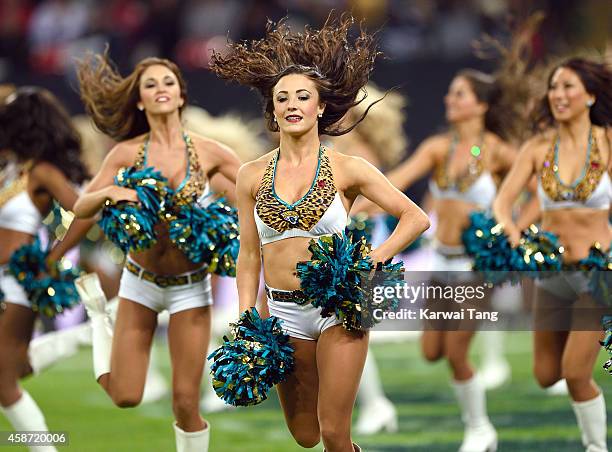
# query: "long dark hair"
[111,99]
[597,80]
[35,126]
[339,69]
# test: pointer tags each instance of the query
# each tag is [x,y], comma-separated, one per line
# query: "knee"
[126,397]
[546,377]
[575,377]
[127,400]
[333,434]
[185,402]
[306,439]
[432,356]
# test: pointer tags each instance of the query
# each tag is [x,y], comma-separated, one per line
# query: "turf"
[527,419]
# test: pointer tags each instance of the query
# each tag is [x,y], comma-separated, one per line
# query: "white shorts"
[567,285]
[12,290]
[300,321]
[172,298]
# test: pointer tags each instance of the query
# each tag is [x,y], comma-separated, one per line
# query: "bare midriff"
[453,218]
[578,230]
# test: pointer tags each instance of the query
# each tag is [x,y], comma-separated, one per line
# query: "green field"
[526,418]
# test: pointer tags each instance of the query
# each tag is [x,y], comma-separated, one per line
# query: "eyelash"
[168,83]
[302,98]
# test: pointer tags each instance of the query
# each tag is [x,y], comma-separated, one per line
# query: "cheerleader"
[571,157]
[142,112]
[304,190]
[46,166]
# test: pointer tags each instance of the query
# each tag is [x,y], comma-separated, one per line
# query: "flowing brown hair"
[338,68]
[513,88]
[111,100]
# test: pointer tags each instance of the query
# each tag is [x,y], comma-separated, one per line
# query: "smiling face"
[567,96]
[296,104]
[160,91]
[461,101]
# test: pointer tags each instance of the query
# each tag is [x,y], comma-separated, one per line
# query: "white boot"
[94,300]
[480,435]
[591,417]
[25,415]
[494,369]
[558,389]
[192,441]
[376,411]
[52,347]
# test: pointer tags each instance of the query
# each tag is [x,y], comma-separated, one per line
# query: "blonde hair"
[94,143]
[243,137]
[383,128]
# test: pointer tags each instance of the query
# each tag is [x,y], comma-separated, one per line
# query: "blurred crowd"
[42,37]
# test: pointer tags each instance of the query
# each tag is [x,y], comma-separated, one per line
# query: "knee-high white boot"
[376,411]
[25,415]
[94,300]
[494,369]
[46,350]
[591,417]
[192,441]
[480,435]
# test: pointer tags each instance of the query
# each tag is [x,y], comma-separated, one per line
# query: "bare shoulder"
[42,171]
[124,153]
[251,173]
[346,163]
[207,147]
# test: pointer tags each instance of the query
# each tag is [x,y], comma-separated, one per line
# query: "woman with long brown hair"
[142,112]
[36,131]
[571,155]
[303,190]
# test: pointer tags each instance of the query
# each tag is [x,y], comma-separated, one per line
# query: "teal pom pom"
[598,265]
[607,342]
[538,251]
[259,356]
[339,280]
[130,226]
[49,295]
[209,234]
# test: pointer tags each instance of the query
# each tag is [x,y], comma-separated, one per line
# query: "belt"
[165,280]
[293,296]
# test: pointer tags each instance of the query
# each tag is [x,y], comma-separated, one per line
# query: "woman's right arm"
[516,180]
[102,187]
[248,267]
[407,173]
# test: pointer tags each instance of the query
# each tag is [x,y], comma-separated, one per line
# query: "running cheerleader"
[153,187]
[302,191]
[571,158]
[45,166]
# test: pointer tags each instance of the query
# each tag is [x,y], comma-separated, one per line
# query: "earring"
[590,103]
[320,115]
[274,119]
[140,107]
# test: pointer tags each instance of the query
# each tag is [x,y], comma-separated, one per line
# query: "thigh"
[457,343]
[432,344]
[580,354]
[188,338]
[339,349]
[16,325]
[132,337]
[299,392]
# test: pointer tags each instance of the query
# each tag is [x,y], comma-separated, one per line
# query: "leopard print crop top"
[319,212]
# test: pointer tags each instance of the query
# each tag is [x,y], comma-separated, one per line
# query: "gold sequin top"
[194,186]
[592,189]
